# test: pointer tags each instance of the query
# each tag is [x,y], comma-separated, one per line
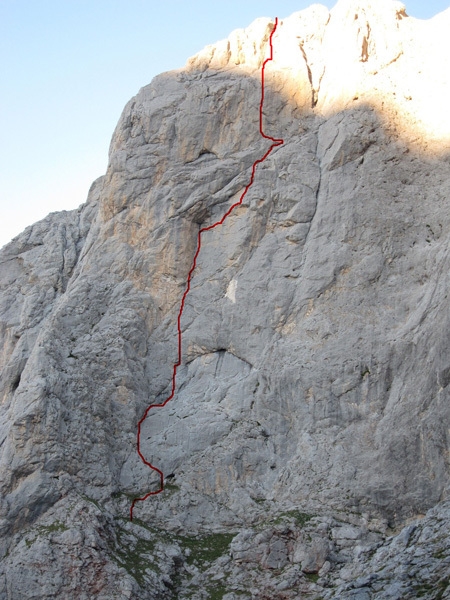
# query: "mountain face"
[306,449]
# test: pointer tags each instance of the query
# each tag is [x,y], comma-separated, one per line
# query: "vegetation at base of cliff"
[312,577]
[171,488]
[205,549]
[135,560]
[92,501]
[41,530]
[300,518]
[137,557]
[432,590]
[216,592]
[118,495]
[56,526]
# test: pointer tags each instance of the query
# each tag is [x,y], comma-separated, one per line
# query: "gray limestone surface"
[306,450]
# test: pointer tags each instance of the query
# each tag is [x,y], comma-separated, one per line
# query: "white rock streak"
[231,291]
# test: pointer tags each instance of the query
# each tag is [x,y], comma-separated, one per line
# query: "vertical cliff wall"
[315,367]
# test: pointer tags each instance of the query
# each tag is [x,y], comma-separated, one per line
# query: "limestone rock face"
[311,419]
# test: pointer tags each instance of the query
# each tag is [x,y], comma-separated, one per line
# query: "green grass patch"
[216,592]
[127,495]
[92,501]
[42,530]
[438,588]
[171,488]
[442,587]
[206,549]
[300,518]
[423,590]
[54,527]
[135,560]
[30,542]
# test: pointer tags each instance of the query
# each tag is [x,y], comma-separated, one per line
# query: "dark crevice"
[206,152]
[314,92]
[15,383]
[220,358]
[319,164]
[221,355]
[203,156]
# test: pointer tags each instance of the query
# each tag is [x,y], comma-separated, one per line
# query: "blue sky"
[68,68]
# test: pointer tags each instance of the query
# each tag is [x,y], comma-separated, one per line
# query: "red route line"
[276,142]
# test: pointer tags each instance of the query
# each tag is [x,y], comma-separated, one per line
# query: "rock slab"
[311,421]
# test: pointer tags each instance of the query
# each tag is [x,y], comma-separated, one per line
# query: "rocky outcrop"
[311,420]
